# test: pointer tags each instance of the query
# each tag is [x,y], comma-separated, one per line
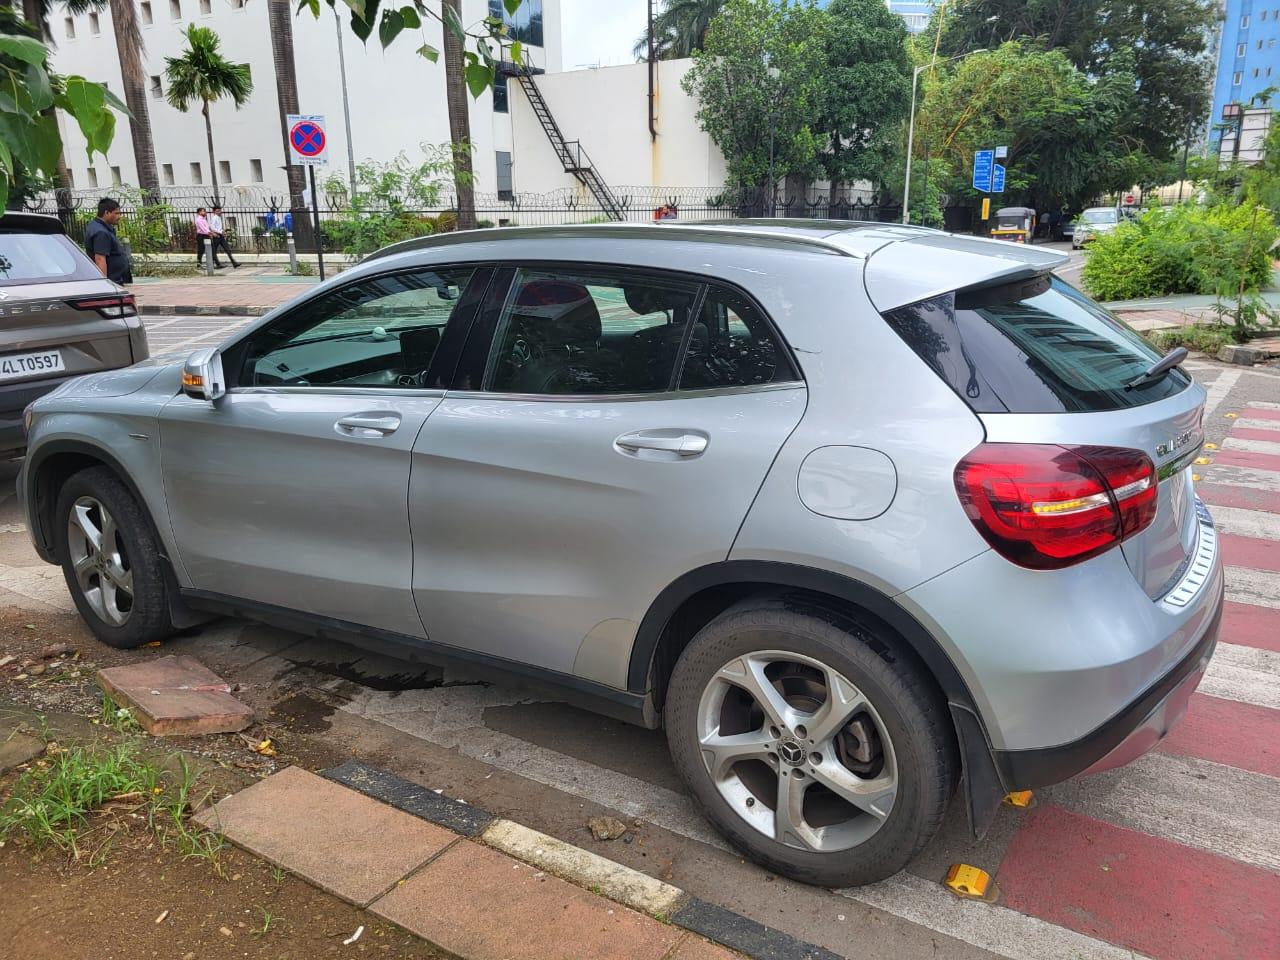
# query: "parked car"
[1094,222]
[59,317]
[858,513]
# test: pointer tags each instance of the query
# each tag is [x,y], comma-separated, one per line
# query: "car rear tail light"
[113,306]
[1045,507]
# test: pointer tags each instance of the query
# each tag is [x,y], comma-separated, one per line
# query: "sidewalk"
[251,291]
[475,885]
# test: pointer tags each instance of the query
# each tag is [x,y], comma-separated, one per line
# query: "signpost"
[997,179]
[983,164]
[309,147]
[1002,153]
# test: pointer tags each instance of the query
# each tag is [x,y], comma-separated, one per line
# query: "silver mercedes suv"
[863,515]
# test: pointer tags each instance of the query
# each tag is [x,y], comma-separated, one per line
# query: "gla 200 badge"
[1177,443]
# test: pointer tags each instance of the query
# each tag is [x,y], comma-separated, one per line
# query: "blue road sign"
[983,161]
[997,179]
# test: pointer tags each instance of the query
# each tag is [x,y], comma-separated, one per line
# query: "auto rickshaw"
[1014,223]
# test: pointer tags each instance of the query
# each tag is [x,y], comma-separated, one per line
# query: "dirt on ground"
[151,903]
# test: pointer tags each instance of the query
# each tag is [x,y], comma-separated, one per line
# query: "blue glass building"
[1248,56]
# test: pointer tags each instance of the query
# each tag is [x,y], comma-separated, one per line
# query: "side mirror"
[202,376]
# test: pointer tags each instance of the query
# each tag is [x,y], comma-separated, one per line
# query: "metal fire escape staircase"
[572,156]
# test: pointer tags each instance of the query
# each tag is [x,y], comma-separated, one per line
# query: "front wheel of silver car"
[111,560]
[814,744]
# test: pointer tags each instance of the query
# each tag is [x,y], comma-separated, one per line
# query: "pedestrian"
[103,246]
[218,232]
[203,237]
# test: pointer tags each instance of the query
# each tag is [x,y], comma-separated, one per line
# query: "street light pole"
[346,104]
[911,129]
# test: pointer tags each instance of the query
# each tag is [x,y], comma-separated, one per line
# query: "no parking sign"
[308,144]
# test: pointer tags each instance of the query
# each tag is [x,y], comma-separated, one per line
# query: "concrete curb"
[191,310]
[580,867]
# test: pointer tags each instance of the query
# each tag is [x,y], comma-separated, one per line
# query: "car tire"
[911,718]
[121,592]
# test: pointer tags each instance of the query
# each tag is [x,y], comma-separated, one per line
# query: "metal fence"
[259,220]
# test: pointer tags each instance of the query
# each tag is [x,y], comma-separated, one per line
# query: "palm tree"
[280,23]
[679,29]
[130,49]
[455,91]
[204,74]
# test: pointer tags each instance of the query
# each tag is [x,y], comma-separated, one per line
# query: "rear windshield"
[40,258]
[1035,346]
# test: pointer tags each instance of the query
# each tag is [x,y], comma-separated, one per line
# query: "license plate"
[20,366]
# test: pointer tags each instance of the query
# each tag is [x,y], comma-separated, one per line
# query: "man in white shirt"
[219,237]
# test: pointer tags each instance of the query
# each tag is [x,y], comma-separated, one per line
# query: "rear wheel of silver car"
[111,560]
[813,743]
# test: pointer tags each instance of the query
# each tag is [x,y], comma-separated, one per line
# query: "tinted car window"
[1032,347]
[569,332]
[380,332]
[731,345]
[41,258]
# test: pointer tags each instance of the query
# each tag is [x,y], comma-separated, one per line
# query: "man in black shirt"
[102,244]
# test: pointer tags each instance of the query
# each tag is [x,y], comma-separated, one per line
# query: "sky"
[600,31]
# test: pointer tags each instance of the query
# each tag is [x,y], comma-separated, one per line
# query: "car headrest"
[646,299]
[559,312]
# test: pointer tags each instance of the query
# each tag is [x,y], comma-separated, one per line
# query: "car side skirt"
[596,697]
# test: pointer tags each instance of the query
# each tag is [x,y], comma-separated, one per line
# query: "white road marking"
[1241,477]
[1252,446]
[1000,930]
[43,584]
[1258,424]
[220,333]
[13,528]
[1256,587]
[1263,404]
[1247,523]
[163,323]
[1244,674]
[1219,389]
[1226,811]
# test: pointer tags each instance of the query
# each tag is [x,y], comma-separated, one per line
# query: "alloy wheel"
[100,562]
[797,751]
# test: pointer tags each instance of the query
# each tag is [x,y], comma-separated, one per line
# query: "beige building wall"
[606,108]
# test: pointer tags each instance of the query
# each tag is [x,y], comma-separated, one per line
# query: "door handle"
[681,444]
[368,426]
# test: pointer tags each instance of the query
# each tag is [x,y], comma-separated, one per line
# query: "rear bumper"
[14,398]
[1135,730]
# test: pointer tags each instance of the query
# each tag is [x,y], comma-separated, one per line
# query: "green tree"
[758,81]
[31,96]
[1059,125]
[866,90]
[679,28]
[203,74]
[1165,39]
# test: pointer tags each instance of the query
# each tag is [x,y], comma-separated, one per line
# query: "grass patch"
[118,718]
[1206,339]
[80,801]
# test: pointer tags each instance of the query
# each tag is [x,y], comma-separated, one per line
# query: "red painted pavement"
[1241,735]
[1250,626]
[1250,552]
[1222,495]
[1260,413]
[1241,458]
[1154,896]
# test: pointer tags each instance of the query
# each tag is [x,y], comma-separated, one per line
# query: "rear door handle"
[368,426]
[677,444]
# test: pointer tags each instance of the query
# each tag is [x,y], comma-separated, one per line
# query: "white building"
[397,102]
[397,98]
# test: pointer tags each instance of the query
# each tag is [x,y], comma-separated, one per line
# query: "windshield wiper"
[1158,369]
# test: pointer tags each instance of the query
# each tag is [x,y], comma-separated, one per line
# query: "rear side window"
[1036,346]
[731,345]
[41,258]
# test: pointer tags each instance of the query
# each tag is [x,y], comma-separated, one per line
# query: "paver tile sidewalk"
[462,896]
[250,289]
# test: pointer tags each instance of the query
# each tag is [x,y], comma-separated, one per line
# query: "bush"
[1222,250]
